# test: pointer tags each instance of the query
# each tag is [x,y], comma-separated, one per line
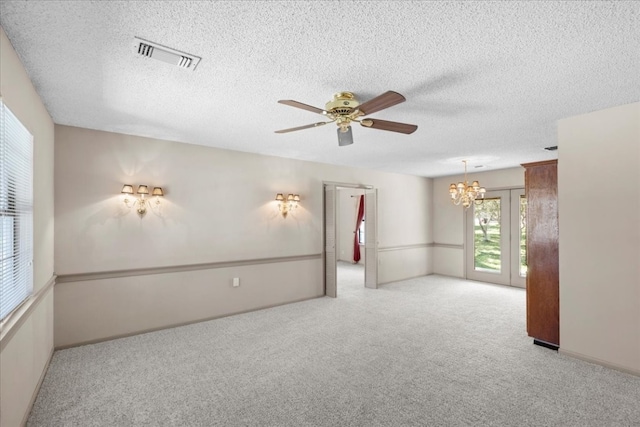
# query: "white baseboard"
[599,362]
[177,325]
[25,418]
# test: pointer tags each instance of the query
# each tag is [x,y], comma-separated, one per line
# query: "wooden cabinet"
[543,301]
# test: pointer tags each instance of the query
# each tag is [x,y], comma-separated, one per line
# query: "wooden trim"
[518,187]
[14,321]
[406,278]
[448,246]
[404,247]
[348,185]
[457,277]
[37,389]
[543,296]
[543,162]
[177,325]
[599,362]
[81,277]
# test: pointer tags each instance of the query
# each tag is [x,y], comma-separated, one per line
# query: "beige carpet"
[432,351]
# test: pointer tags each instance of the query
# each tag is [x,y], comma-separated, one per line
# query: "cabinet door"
[543,303]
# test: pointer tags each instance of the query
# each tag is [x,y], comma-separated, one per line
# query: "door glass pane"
[487,229]
[523,236]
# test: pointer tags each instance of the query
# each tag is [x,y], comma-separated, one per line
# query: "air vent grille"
[153,50]
[145,49]
[185,62]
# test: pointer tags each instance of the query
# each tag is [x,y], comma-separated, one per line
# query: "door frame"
[509,274]
[372,248]
[516,279]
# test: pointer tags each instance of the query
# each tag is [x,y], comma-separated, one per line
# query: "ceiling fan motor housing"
[343,103]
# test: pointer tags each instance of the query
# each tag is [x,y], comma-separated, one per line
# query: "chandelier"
[465,194]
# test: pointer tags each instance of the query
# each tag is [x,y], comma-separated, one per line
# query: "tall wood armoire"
[543,296]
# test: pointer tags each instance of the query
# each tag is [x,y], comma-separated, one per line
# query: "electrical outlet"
[236,282]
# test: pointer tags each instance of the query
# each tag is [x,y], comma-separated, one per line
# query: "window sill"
[11,324]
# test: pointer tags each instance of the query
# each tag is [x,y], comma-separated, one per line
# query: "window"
[16,212]
[361,232]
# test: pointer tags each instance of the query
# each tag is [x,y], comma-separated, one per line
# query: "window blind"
[16,212]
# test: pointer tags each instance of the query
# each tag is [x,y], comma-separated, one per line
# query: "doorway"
[496,238]
[340,232]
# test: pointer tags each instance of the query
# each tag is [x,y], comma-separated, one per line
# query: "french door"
[495,239]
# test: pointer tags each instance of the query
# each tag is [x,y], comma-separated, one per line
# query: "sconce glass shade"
[157,191]
[127,189]
[288,204]
[143,189]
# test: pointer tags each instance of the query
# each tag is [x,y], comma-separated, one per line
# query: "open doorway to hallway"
[344,219]
[350,238]
[350,278]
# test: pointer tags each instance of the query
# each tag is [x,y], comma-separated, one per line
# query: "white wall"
[27,341]
[448,219]
[219,208]
[599,214]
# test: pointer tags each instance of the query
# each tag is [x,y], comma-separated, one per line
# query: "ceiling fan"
[344,109]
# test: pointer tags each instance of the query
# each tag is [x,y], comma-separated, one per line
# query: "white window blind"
[16,212]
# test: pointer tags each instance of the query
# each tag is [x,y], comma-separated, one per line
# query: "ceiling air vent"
[166,54]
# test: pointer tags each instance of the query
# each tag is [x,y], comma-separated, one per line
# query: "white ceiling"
[484,81]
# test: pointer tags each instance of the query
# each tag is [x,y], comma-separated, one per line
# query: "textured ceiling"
[484,81]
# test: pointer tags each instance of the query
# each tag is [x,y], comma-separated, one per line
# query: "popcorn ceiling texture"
[485,81]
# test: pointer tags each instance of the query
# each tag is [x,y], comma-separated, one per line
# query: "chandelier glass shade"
[464,194]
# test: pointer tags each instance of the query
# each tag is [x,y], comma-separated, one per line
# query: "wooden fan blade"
[390,126]
[386,100]
[313,125]
[297,104]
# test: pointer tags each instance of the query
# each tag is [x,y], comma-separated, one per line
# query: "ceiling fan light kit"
[345,109]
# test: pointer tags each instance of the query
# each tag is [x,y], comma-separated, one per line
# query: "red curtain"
[356,234]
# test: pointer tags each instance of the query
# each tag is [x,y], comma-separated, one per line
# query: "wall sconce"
[287,205]
[141,203]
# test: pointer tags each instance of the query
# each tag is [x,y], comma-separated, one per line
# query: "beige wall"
[219,207]
[27,342]
[599,213]
[448,219]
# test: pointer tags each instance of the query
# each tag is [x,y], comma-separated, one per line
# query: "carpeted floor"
[432,351]
[350,278]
